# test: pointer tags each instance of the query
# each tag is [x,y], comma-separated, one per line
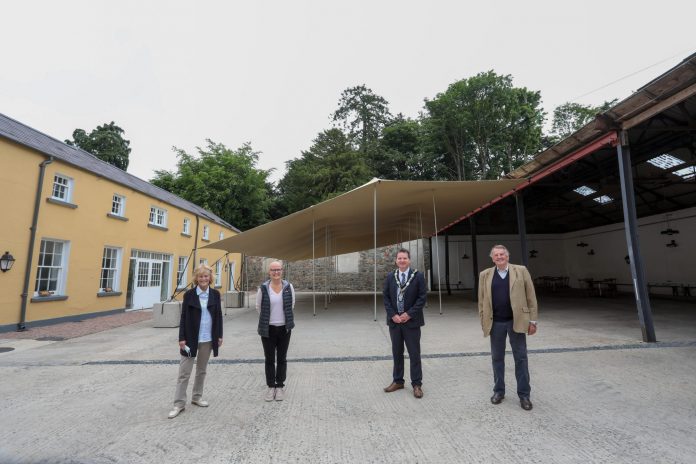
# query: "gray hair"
[500,247]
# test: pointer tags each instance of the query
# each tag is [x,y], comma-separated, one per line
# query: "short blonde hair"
[204,268]
[500,247]
[268,269]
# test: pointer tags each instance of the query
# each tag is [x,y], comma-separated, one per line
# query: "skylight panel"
[687,173]
[665,161]
[603,199]
[585,190]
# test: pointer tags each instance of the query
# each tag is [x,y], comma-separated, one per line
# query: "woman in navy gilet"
[275,302]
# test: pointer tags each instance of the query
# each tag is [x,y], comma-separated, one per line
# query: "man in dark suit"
[404,298]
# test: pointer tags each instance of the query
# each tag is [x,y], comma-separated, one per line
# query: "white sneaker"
[270,394]
[280,394]
[175,412]
[201,403]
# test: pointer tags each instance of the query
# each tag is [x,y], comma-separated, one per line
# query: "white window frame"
[118,205]
[115,278]
[187,227]
[158,216]
[218,274]
[221,235]
[231,269]
[155,274]
[206,233]
[62,189]
[181,272]
[203,261]
[61,268]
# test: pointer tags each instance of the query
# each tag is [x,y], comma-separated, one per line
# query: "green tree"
[362,114]
[330,167]
[224,181]
[569,117]
[485,124]
[106,142]
[402,154]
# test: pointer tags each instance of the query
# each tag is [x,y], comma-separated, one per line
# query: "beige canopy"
[379,213]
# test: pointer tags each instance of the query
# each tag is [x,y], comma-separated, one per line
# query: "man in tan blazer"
[508,308]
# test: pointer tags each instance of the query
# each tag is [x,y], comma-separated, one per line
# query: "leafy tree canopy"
[224,181]
[403,155]
[106,142]
[486,125]
[362,114]
[330,167]
[569,117]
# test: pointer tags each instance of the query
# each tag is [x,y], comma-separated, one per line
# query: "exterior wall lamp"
[6,262]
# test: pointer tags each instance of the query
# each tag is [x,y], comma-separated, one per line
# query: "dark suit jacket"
[414,299]
[190,323]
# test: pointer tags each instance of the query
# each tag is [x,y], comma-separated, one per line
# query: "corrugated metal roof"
[678,82]
[29,137]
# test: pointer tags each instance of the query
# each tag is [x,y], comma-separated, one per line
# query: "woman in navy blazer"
[200,333]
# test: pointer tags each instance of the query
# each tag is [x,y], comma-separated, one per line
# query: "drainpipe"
[195,245]
[32,238]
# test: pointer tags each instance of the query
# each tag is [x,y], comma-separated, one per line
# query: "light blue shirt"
[502,273]
[206,329]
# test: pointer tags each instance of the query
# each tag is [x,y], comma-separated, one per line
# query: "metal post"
[447,264]
[474,256]
[374,234]
[631,228]
[314,290]
[437,246]
[326,268]
[246,275]
[522,228]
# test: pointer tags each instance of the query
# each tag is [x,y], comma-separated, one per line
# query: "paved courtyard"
[600,395]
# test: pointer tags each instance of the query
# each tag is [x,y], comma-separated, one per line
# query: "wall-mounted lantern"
[6,262]
[591,252]
[533,253]
[672,244]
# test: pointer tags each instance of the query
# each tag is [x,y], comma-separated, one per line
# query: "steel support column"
[474,256]
[522,227]
[631,227]
[447,264]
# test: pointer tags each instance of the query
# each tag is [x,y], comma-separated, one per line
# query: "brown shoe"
[393,387]
[417,391]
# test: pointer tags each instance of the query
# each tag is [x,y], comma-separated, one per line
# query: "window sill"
[205,240]
[185,235]
[218,286]
[115,216]
[41,299]
[61,203]
[103,294]
[154,226]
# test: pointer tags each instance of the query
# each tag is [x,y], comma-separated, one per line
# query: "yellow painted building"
[103,240]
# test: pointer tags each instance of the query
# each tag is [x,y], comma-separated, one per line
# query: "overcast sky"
[174,73]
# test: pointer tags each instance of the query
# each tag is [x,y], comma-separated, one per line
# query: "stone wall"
[352,272]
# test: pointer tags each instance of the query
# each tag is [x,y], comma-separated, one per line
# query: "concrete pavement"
[600,395]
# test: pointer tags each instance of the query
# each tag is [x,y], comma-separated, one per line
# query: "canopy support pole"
[314,289]
[437,247]
[374,235]
[326,268]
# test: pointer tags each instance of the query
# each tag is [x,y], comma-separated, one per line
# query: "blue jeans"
[518,343]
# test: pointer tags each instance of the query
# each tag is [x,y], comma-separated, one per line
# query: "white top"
[206,329]
[277,312]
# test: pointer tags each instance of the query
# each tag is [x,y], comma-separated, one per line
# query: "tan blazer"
[522,298]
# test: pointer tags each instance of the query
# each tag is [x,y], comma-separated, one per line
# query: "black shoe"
[526,404]
[497,398]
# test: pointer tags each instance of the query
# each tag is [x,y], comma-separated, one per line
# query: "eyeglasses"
[276,270]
